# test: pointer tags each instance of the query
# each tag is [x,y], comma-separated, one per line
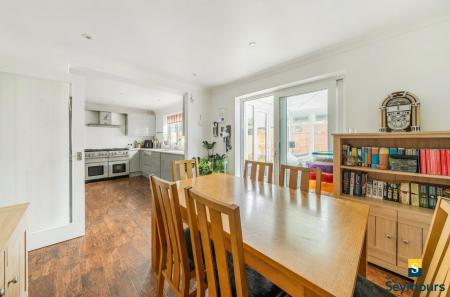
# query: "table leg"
[362,269]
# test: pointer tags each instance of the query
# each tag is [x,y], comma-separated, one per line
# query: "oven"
[118,167]
[96,170]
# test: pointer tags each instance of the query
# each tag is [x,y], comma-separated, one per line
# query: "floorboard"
[113,258]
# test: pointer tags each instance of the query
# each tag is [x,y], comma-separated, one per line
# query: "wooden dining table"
[307,244]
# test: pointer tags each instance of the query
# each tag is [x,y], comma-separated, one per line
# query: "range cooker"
[106,163]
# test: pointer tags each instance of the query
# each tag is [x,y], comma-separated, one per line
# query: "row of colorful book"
[409,193]
[424,160]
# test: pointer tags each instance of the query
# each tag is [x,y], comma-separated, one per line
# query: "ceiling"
[103,89]
[177,38]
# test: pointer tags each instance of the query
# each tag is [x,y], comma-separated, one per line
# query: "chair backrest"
[187,169]
[436,256]
[174,255]
[207,234]
[258,170]
[304,181]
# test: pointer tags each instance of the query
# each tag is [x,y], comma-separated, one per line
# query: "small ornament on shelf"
[400,112]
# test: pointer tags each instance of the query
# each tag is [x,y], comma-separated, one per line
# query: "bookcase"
[396,232]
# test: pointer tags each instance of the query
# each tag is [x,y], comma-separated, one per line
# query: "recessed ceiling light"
[252,44]
[87,36]
[194,74]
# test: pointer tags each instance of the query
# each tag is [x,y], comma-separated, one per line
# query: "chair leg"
[160,285]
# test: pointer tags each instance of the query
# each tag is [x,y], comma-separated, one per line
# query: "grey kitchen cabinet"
[150,163]
[166,164]
[140,124]
[135,161]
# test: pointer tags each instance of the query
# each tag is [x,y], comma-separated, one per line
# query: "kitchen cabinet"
[150,163]
[166,164]
[140,124]
[135,161]
[13,251]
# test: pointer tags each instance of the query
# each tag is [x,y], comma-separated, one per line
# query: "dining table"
[306,244]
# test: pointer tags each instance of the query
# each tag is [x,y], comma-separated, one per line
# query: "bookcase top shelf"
[390,204]
[398,173]
[384,135]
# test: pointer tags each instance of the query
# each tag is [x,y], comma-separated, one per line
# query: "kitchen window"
[173,131]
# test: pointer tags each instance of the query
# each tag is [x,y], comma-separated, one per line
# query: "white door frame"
[335,112]
[76,226]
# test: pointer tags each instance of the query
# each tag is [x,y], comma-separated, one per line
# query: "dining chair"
[258,170]
[176,265]
[223,272]
[304,181]
[185,169]
[435,261]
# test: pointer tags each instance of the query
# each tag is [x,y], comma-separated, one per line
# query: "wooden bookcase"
[395,232]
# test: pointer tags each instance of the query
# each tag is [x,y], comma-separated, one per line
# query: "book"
[414,192]
[380,190]
[428,160]
[364,184]
[432,197]
[444,168]
[423,162]
[369,188]
[375,189]
[385,190]
[346,182]
[352,183]
[375,157]
[395,194]
[437,160]
[359,150]
[357,189]
[447,153]
[423,195]
[383,158]
[404,193]
[389,192]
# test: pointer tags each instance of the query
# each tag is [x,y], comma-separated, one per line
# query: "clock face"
[398,114]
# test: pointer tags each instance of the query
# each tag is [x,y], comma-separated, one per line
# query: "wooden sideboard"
[13,251]
[395,232]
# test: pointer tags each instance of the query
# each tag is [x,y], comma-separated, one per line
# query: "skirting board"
[43,238]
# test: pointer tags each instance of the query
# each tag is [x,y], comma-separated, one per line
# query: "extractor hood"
[106,119]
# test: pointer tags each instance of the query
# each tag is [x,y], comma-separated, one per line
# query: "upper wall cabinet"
[140,124]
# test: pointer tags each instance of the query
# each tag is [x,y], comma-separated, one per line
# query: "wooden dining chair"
[304,180]
[435,260]
[436,256]
[258,170]
[185,169]
[176,266]
[220,270]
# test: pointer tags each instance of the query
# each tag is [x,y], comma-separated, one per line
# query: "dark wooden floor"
[113,258]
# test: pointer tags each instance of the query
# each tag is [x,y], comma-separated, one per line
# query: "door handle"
[388,236]
[13,281]
[405,241]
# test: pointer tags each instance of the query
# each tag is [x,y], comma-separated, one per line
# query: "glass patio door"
[258,130]
[308,116]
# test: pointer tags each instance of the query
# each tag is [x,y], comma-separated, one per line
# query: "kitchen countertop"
[164,151]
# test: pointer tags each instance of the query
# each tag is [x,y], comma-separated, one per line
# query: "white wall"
[416,61]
